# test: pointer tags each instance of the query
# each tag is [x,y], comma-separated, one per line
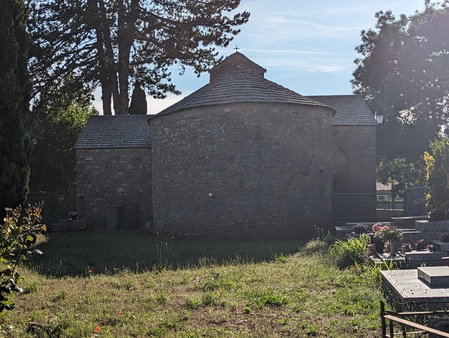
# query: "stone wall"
[355,198]
[243,170]
[114,177]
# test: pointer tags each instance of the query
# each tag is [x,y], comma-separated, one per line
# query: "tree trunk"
[104,82]
[108,62]
[124,51]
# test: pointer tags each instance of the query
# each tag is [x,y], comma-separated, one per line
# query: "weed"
[208,299]
[211,281]
[281,259]
[193,303]
[60,296]
[351,252]
[163,253]
[269,298]
[161,299]
[31,288]
[315,246]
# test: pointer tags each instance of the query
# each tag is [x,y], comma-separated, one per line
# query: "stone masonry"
[241,157]
[114,177]
[242,170]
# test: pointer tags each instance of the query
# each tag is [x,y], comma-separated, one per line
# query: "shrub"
[437,175]
[18,236]
[351,252]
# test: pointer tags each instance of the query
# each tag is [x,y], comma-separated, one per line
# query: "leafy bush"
[437,177]
[351,252]
[18,235]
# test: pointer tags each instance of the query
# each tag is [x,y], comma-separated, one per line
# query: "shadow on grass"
[93,252]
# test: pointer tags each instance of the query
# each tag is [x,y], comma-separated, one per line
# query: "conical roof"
[239,85]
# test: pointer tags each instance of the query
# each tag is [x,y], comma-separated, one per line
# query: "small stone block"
[434,276]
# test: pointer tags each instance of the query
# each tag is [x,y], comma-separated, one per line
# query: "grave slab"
[405,288]
[434,276]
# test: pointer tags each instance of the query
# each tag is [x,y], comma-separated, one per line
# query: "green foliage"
[401,173]
[437,173]
[271,299]
[350,252]
[14,100]
[58,119]
[135,42]
[403,73]
[18,235]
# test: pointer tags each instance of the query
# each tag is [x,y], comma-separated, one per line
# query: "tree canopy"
[404,73]
[112,43]
[14,104]
[57,123]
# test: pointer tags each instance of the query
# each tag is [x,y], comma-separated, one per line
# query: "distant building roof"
[351,110]
[119,131]
[239,85]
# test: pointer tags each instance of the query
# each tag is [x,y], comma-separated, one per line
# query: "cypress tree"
[14,104]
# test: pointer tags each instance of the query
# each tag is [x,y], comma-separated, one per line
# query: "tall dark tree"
[114,42]
[138,104]
[404,73]
[14,104]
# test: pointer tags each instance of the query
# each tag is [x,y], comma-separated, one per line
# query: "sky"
[305,46]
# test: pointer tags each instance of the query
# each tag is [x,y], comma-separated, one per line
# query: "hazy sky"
[306,46]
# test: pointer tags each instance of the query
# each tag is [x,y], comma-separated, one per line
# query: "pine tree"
[113,43]
[14,104]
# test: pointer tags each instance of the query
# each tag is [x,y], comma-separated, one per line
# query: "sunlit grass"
[114,283]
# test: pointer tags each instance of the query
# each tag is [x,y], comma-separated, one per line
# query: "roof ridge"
[237,86]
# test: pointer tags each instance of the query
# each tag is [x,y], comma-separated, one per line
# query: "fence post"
[384,324]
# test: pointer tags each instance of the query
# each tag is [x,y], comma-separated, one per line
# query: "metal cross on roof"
[236,48]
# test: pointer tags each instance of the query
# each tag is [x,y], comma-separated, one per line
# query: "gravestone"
[415,201]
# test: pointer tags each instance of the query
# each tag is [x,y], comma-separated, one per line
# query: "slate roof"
[119,131]
[238,86]
[351,110]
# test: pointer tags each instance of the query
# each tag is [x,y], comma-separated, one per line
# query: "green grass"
[134,285]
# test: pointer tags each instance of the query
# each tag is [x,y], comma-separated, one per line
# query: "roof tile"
[351,110]
[238,86]
[119,131]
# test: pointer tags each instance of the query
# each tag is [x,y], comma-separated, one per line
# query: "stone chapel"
[242,157]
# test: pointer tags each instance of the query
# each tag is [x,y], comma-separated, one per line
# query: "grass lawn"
[131,284]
